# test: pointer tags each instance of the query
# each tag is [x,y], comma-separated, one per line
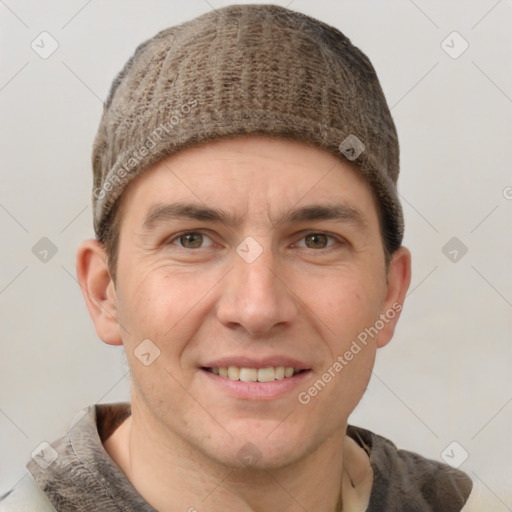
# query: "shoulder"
[25,497]
[403,479]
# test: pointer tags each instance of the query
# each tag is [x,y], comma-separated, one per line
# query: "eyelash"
[331,237]
[328,235]
[183,233]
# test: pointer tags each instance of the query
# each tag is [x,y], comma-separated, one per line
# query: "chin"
[257,448]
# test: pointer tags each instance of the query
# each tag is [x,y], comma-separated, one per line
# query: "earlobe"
[399,279]
[98,290]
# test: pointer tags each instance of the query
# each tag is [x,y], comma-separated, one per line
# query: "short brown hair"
[109,238]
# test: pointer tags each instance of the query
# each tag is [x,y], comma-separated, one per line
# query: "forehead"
[246,176]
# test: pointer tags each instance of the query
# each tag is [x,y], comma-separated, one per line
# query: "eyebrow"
[160,213]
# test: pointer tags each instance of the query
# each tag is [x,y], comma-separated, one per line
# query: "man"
[249,259]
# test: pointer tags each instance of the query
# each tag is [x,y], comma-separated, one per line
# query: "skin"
[303,297]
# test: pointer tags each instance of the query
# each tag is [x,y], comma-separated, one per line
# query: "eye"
[191,240]
[316,241]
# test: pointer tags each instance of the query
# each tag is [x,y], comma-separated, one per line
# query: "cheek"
[353,309]
[164,306]
[346,303]
[157,305]
[338,387]
[146,304]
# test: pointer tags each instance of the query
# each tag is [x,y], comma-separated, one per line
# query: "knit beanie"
[241,70]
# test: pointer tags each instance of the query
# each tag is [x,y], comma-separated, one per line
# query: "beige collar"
[357,479]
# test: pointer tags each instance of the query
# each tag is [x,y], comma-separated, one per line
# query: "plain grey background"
[446,376]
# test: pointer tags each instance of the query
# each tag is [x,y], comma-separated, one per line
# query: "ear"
[399,278]
[98,290]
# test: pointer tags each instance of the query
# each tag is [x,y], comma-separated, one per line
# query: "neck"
[170,474]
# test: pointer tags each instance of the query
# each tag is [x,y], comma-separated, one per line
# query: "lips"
[256,380]
[261,370]
[245,374]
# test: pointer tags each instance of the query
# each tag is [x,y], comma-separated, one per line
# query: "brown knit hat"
[246,69]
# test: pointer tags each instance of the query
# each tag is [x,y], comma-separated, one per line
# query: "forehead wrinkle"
[338,212]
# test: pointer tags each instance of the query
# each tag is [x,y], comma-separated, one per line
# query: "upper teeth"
[255,374]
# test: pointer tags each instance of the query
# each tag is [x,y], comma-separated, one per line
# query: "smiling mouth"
[268,374]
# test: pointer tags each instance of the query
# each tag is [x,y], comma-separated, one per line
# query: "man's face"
[282,279]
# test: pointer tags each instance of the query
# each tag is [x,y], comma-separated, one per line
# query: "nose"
[256,296]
